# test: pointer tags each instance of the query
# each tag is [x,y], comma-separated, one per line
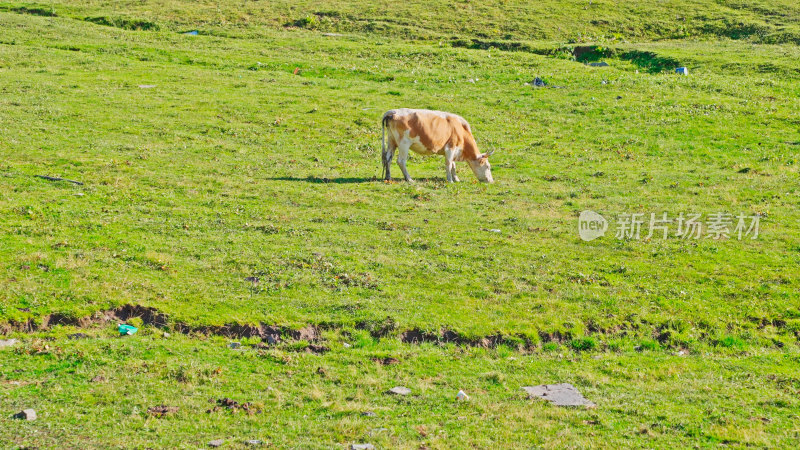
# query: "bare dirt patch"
[227,404]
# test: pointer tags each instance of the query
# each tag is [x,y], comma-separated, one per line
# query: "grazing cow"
[431,133]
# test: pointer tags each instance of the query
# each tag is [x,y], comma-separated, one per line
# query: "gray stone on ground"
[368,414]
[362,447]
[399,390]
[216,442]
[7,342]
[234,345]
[26,414]
[563,394]
[599,64]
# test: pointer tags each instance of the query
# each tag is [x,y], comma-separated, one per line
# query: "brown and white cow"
[431,133]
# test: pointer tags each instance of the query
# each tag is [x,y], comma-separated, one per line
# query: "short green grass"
[233,166]
[649,399]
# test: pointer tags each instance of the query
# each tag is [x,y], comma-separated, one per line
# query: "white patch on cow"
[408,143]
[482,171]
[404,143]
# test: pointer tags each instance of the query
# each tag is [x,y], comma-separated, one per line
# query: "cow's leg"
[387,159]
[450,165]
[402,157]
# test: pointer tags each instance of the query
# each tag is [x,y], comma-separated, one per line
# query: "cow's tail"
[386,157]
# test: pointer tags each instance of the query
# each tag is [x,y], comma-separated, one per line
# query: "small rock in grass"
[8,343]
[26,414]
[78,336]
[98,379]
[599,64]
[216,443]
[234,345]
[369,414]
[346,345]
[399,390]
[563,394]
[362,447]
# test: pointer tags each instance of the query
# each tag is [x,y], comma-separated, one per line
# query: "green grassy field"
[252,151]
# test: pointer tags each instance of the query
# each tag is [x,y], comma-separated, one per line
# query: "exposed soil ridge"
[151,316]
[270,333]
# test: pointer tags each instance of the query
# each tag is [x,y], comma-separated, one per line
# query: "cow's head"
[481,167]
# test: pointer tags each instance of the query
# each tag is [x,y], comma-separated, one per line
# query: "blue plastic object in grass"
[127,330]
[191,33]
[682,71]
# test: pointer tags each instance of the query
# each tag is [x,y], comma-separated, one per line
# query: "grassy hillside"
[218,174]
[768,21]
[229,182]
